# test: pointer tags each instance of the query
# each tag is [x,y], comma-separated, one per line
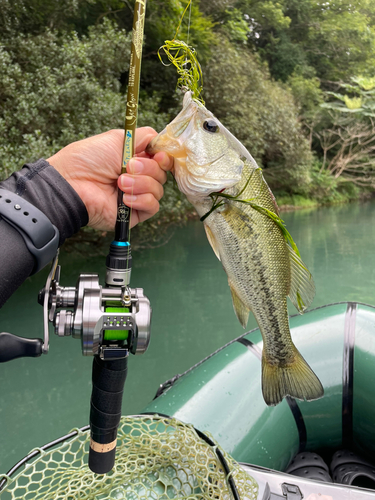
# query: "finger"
[143,136]
[164,160]
[141,184]
[146,166]
[146,204]
[137,216]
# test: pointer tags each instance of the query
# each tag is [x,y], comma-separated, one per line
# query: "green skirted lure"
[184,59]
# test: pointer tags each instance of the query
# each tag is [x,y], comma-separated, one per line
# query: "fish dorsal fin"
[302,287]
[242,311]
[212,240]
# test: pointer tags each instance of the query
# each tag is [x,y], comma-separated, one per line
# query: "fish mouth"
[171,139]
[152,147]
[164,142]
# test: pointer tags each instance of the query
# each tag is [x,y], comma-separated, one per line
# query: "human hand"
[92,167]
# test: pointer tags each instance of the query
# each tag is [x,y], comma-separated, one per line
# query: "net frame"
[155,453]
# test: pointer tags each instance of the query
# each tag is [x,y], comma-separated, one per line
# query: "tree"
[348,143]
[260,113]
[335,38]
[56,89]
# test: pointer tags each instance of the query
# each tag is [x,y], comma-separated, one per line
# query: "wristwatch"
[40,235]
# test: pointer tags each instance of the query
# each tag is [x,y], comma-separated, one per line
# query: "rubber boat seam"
[170,382]
[292,403]
[252,347]
[348,374]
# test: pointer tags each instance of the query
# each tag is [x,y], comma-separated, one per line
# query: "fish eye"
[211,126]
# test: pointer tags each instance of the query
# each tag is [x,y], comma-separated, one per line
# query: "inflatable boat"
[331,439]
[322,449]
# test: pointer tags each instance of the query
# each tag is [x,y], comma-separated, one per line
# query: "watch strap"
[40,235]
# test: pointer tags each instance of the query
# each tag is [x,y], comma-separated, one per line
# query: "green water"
[44,398]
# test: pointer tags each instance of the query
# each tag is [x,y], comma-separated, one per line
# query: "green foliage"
[294,201]
[63,74]
[56,89]
[345,133]
[343,39]
[335,38]
[325,188]
[259,112]
[235,26]
[358,97]
[366,83]
[284,56]
[264,17]
[306,92]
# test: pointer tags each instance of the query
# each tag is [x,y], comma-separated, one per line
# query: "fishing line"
[184,58]
[188,30]
[182,17]
[189,23]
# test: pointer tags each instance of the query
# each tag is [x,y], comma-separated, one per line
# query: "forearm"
[40,184]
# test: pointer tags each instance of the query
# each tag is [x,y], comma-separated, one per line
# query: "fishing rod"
[110,366]
[111,321]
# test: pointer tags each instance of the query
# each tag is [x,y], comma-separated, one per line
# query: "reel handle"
[108,379]
[12,347]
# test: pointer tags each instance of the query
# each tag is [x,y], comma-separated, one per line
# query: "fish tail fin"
[295,379]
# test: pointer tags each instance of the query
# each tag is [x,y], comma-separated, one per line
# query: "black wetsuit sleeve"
[40,184]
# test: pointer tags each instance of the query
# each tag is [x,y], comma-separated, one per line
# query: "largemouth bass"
[225,185]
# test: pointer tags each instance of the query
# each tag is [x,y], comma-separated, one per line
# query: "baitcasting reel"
[109,321]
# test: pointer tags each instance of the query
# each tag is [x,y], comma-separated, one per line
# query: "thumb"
[143,136]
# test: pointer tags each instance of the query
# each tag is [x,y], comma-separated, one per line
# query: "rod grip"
[108,379]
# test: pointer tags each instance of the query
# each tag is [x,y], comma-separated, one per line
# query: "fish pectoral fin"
[296,380]
[242,311]
[302,287]
[212,240]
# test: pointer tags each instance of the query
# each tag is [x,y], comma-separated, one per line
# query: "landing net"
[157,459]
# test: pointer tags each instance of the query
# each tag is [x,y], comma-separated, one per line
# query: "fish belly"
[254,255]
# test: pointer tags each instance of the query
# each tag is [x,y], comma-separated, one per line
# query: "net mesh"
[157,458]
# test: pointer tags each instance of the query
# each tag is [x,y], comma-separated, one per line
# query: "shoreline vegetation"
[295,202]
[294,82]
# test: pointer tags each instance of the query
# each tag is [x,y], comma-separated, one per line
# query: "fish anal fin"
[242,311]
[295,379]
[302,287]
[212,240]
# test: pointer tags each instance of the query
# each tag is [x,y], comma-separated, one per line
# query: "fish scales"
[262,268]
